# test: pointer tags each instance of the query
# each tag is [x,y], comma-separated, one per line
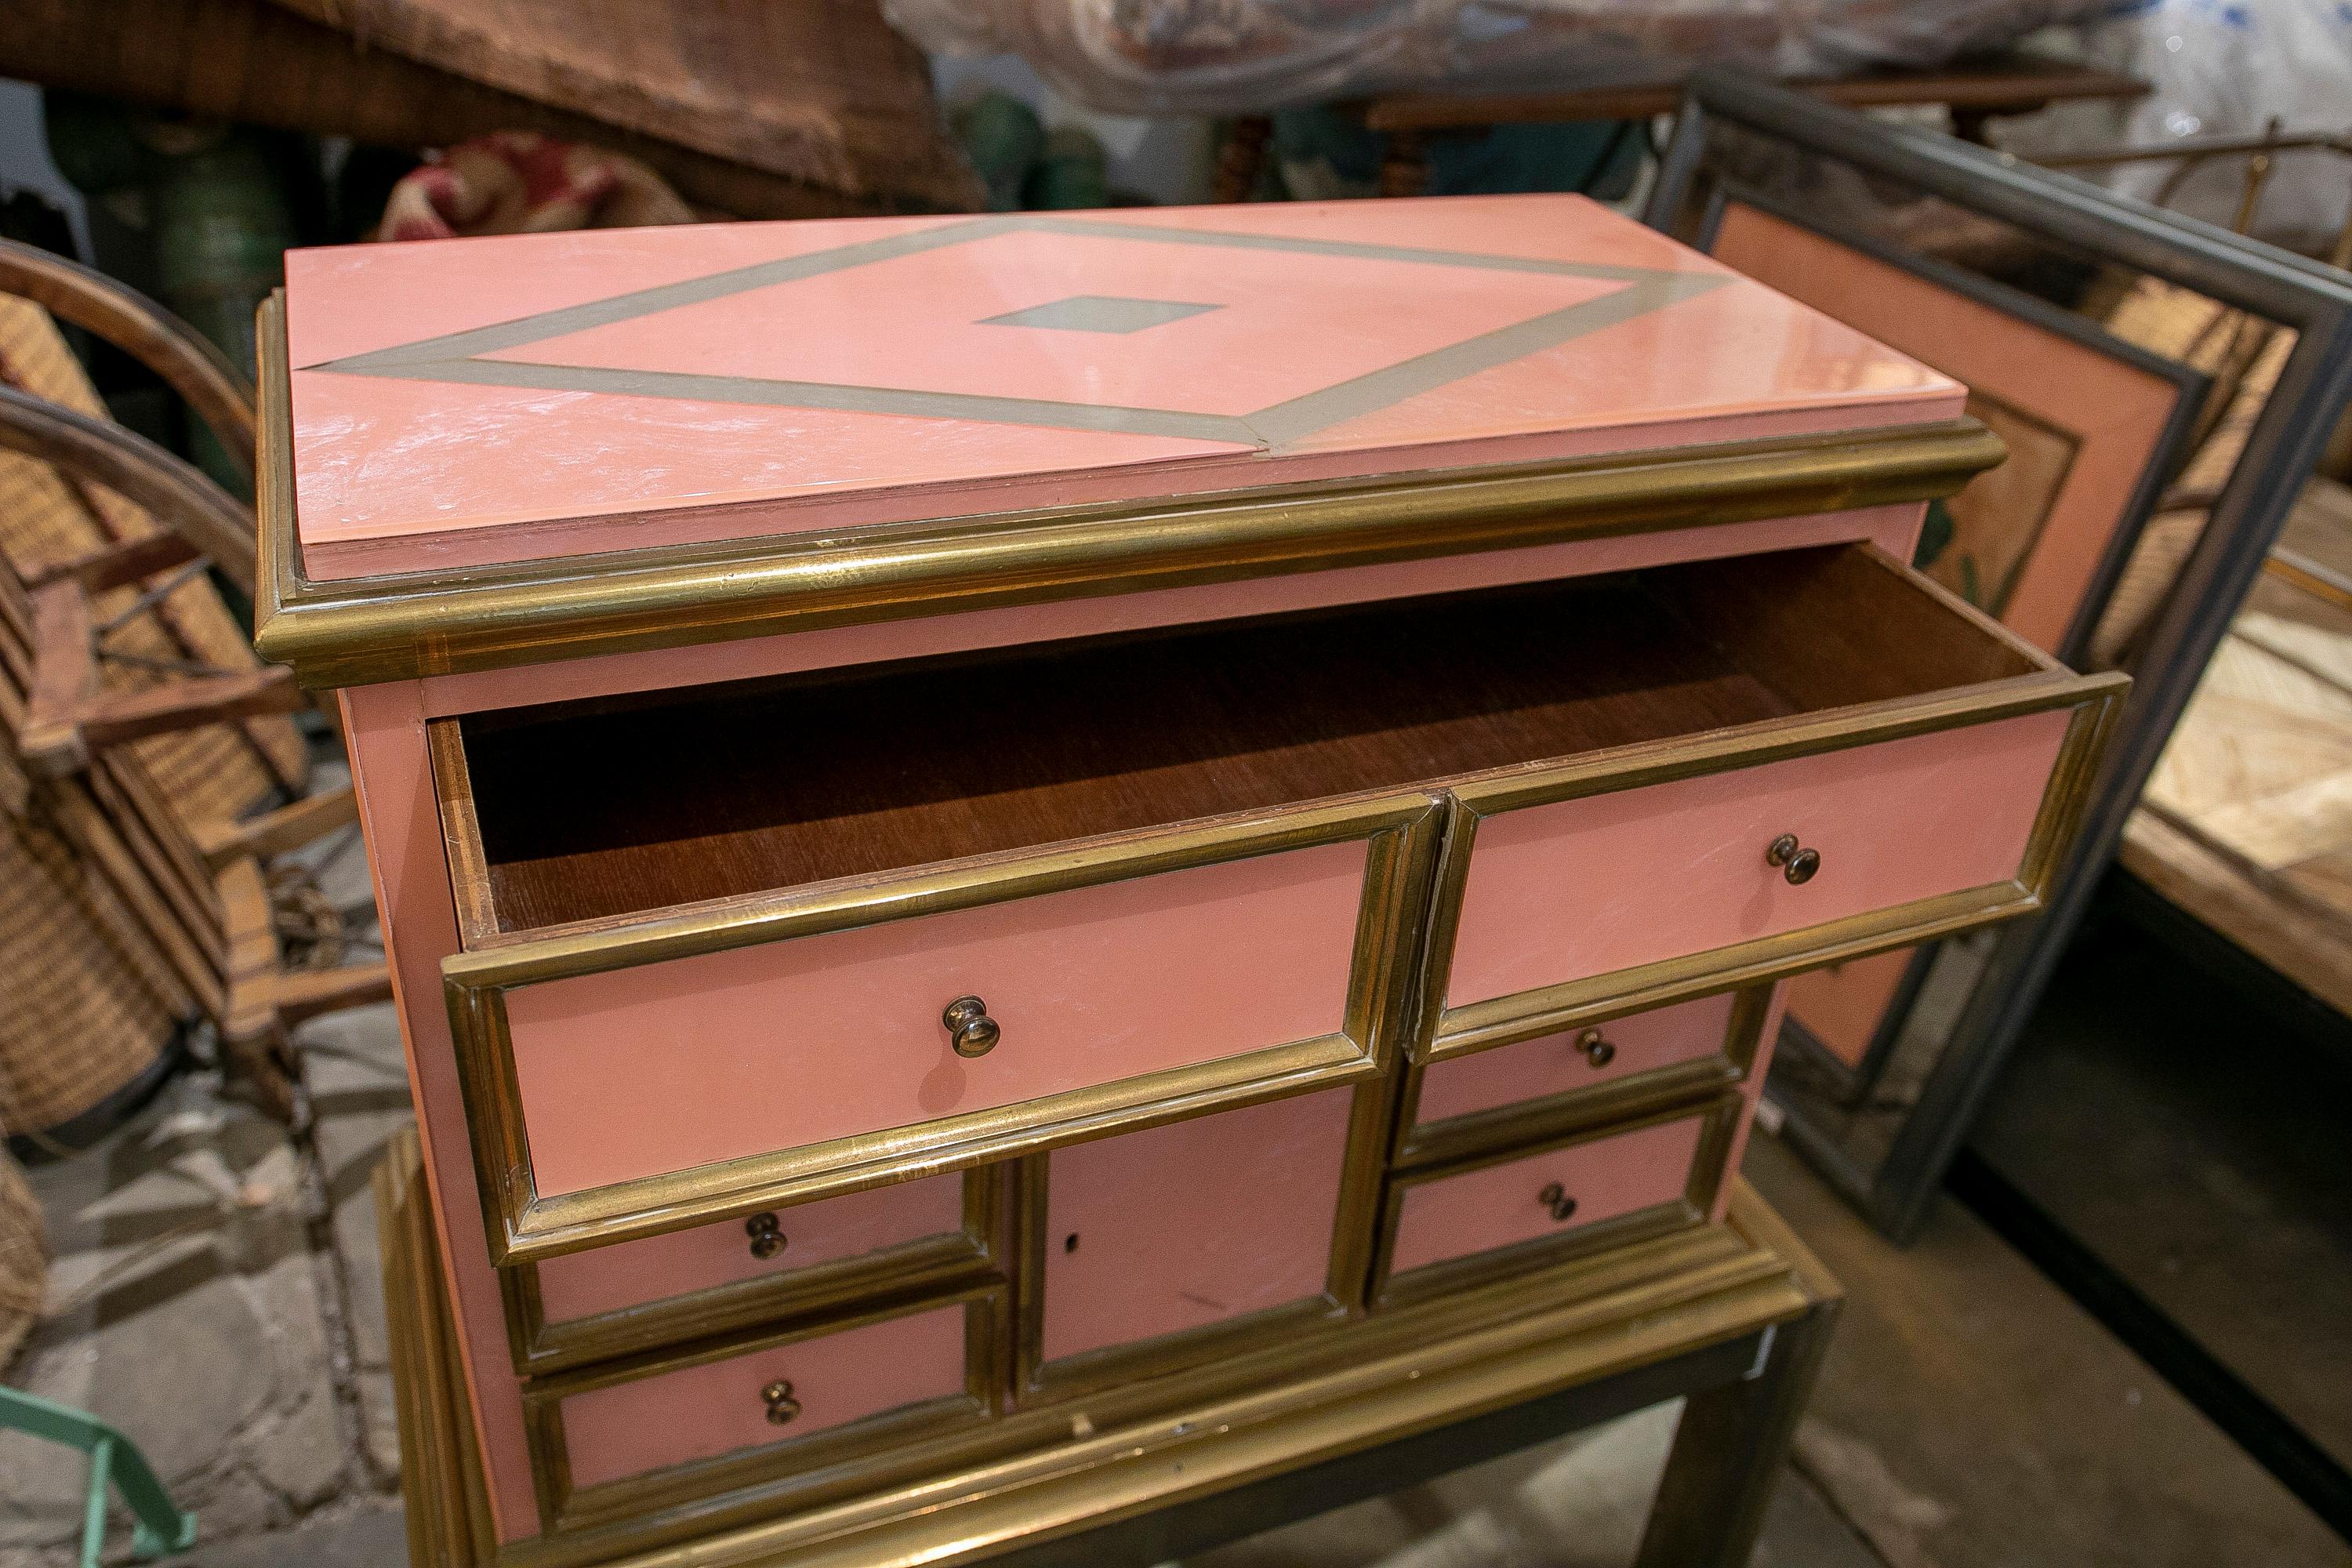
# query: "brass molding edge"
[402,626]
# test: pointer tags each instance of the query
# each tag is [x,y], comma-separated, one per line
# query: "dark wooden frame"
[1851,1085]
[2313,390]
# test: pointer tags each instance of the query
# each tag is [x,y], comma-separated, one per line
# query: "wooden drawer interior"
[593,811]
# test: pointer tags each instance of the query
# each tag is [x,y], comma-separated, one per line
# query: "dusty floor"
[216,1283]
[2234,1116]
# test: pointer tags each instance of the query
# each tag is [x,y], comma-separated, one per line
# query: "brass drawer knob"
[1555,1198]
[782,1406]
[1796,862]
[767,1236]
[1598,1048]
[974,1032]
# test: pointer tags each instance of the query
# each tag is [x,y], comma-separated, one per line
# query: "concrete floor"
[2197,1145]
[220,1302]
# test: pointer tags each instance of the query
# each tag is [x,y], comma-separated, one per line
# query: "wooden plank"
[64,678]
[247,60]
[2017,84]
[2301,943]
[112,718]
[119,564]
[276,832]
[820,91]
[300,993]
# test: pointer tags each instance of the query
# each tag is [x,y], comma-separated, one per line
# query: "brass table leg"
[1730,1450]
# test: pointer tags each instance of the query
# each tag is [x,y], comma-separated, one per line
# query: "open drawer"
[1919,771]
[740,946]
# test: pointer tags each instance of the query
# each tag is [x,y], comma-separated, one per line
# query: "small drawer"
[1460,1225]
[625,1439]
[1151,1249]
[910,1237]
[1468,1101]
[1573,891]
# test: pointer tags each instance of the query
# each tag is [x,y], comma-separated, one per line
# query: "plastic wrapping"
[2227,69]
[1233,56]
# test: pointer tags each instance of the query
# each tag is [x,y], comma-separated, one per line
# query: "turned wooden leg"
[1729,1451]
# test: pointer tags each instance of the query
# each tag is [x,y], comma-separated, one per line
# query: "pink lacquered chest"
[987,822]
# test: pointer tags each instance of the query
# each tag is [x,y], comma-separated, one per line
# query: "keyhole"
[1070,1242]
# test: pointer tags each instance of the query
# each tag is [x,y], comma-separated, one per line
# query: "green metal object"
[1069,173]
[114,1460]
[197,214]
[1003,137]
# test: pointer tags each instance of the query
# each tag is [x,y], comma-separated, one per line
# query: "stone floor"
[214,1294]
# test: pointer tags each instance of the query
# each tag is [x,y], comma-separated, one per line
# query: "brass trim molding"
[963,1497]
[1442,1030]
[1399,835]
[563,1504]
[401,626]
[1354,1219]
[943,1262]
[1420,1143]
[1719,1116]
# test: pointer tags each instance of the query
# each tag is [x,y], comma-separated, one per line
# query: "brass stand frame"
[1741,1343]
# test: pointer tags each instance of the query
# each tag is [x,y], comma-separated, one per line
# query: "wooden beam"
[112,718]
[64,679]
[276,832]
[2015,85]
[118,565]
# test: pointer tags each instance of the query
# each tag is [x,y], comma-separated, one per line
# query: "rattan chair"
[178,872]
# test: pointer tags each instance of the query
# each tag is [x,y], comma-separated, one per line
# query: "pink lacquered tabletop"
[468,401]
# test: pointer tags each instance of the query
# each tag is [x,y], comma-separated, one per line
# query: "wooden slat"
[112,718]
[118,565]
[2247,821]
[2013,85]
[64,679]
[820,91]
[2311,951]
[249,61]
[276,832]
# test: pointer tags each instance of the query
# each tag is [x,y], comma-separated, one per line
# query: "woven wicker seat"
[138,733]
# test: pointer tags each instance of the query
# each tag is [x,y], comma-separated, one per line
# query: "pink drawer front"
[1579,1058]
[1191,1224]
[722,1406]
[1545,1195]
[808,1054]
[578,1306]
[1585,887]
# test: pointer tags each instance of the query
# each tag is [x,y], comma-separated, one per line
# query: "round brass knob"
[1796,862]
[972,1030]
[782,1406]
[1598,1048]
[1555,1198]
[767,1235]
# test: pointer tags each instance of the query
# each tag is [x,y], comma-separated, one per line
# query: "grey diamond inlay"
[1099,313]
[463,356]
